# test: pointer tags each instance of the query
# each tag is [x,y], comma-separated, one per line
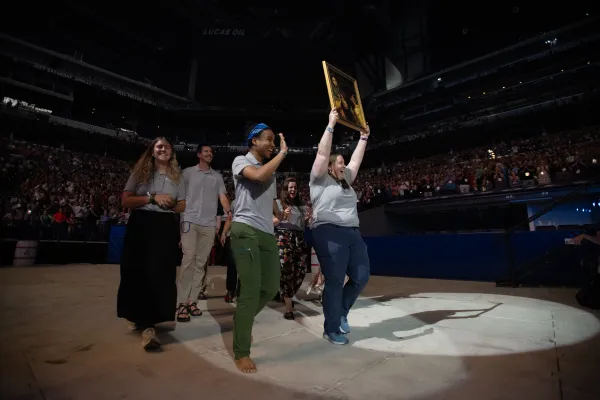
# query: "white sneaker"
[149,339]
[132,327]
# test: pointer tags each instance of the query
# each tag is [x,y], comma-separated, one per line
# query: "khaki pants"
[196,243]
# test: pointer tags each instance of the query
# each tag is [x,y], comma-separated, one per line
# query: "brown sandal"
[183,313]
[194,310]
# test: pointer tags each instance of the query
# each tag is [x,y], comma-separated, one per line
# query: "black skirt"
[148,290]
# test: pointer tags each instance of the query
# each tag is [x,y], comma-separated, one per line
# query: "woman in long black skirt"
[156,193]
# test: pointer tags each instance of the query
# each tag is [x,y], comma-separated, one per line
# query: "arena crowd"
[63,194]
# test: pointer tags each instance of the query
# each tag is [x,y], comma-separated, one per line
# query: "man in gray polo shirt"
[203,186]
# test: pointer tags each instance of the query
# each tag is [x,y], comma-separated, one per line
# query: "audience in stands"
[560,158]
[60,194]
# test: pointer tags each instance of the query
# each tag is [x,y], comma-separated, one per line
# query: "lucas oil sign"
[223,32]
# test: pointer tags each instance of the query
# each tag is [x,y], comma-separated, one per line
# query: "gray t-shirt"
[254,200]
[297,217]
[202,190]
[331,203]
[158,183]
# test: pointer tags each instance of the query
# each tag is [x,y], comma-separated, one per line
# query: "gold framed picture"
[344,95]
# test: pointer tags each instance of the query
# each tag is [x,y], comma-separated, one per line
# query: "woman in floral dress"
[294,215]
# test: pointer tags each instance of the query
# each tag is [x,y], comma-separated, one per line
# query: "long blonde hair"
[144,167]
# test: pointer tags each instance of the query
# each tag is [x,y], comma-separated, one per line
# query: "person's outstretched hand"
[333,117]
[282,144]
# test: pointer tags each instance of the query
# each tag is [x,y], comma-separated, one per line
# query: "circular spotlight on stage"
[467,324]
[421,345]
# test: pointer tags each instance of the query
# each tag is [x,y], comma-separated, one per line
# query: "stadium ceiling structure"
[245,48]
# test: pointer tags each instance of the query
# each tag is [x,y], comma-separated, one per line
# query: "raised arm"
[359,152]
[265,172]
[319,167]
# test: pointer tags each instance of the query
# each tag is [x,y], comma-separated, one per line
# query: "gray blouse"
[159,183]
[331,203]
[297,219]
[254,200]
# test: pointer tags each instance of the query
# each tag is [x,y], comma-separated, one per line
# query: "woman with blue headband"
[337,240]
[253,241]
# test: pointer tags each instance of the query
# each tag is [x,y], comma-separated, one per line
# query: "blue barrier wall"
[117,235]
[115,244]
[470,256]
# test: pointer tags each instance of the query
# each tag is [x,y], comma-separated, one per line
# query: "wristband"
[329,129]
[151,198]
[364,138]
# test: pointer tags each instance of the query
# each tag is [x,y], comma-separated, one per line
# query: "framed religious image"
[344,95]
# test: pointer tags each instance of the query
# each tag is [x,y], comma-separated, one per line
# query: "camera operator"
[589,295]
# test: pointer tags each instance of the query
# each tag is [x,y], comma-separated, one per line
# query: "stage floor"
[411,339]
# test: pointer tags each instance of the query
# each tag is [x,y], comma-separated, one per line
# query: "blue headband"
[256,131]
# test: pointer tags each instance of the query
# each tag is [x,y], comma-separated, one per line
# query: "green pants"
[257,260]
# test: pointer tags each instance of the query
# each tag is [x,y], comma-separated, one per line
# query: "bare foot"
[246,365]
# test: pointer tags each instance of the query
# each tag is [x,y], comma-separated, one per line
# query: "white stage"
[411,339]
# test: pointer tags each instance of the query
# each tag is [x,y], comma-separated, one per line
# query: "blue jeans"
[341,251]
